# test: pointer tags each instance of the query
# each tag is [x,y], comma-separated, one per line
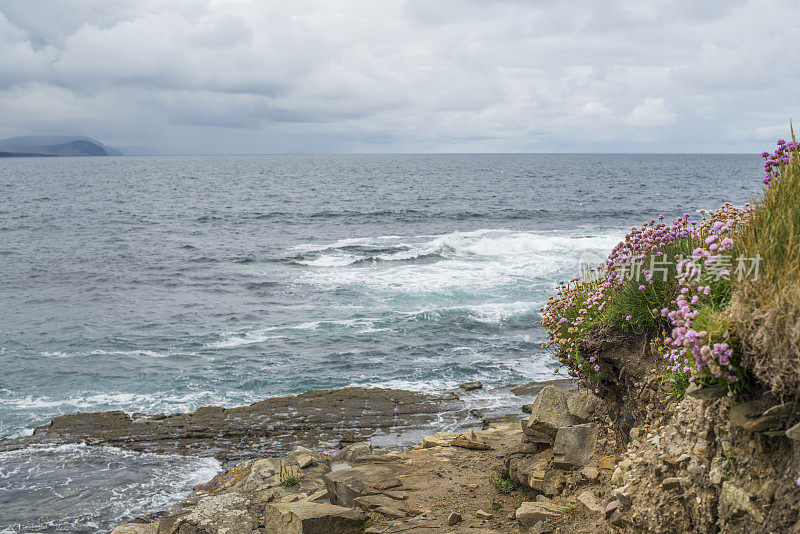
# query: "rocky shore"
[626,460]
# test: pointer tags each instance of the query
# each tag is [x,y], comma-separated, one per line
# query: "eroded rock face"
[345,486]
[574,445]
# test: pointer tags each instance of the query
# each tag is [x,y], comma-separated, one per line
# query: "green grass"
[289,482]
[503,485]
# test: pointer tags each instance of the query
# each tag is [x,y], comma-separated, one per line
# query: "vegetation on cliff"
[718,297]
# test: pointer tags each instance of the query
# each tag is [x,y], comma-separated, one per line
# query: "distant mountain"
[54,145]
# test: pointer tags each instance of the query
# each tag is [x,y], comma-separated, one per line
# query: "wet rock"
[574,446]
[219,514]
[312,518]
[471,386]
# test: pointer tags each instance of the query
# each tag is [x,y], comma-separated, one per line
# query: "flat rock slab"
[264,428]
[346,485]
[312,518]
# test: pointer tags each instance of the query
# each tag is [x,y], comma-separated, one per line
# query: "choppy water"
[163,284]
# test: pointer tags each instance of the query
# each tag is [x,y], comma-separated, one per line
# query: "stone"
[471,386]
[527,408]
[715,475]
[480,514]
[794,432]
[671,483]
[530,435]
[611,507]
[552,483]
[264,473]
[454,518]
[466,443]
[304,460]
[608,462]
[749,417]
[136,528]
[734,502]
[312,518]
[226,513]
[574,445]
[534,388]
[705,393]
[582,404]
[355,452]
[528,471]
[618,477]
[440,439]
[617,519]
[549,412]
[591,502]
[345,485]
[530,513]
[590,473]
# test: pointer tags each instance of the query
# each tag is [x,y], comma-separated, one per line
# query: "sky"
[261,76]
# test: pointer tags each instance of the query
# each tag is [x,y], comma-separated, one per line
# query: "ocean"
[161,284]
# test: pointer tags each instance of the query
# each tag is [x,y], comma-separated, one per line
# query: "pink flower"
[628,318]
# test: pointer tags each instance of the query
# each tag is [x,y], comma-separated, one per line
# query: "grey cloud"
[358,75]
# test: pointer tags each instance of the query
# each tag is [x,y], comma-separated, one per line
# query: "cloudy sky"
[261,76]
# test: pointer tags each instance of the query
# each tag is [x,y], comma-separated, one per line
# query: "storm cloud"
[238,76]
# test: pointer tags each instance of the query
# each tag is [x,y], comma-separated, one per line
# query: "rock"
[136,528]
[608,462]
[440,439]
[549,412]
[590,473]
[454,518]
[534,436]
[794,432]
[611,507]
[534,388]
[489,422]
[480,514]
[749,417]
[382,504]
[715,475]
[592,503]
[552,483]
[530,513]
[705,393]
[304,460]
[618,477]
[582,404]
[671,483]
[264,473]
[346,485]
[226,513]
[355,452]
[529,470]
[471,386]
[527,408]
[617,518]
[466,443]
[312,518]
[574,445]
[349,438]
[734,501]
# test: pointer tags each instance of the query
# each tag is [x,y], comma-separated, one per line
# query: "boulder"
[226,513]
[530,513]
[440,439]
[471,386]
[528,471]
[574,446]
[312,518]
[582,404]
[345,485]
[548,413]
[264,473]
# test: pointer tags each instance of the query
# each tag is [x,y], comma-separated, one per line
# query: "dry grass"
[766,311]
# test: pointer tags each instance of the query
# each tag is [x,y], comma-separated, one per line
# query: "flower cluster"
[779,158]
